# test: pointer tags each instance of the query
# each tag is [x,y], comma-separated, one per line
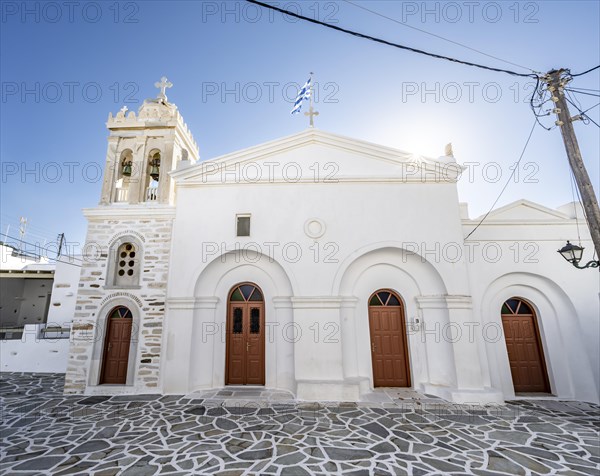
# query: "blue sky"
[63,69]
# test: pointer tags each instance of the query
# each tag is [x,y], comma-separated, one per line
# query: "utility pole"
[22,229]
[556,83]
[60,238]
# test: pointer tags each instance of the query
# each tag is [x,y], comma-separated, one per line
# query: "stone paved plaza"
[252,431]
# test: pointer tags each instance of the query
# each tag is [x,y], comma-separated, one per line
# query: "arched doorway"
[116,346]
[525,350]
[389,345]
[245,362]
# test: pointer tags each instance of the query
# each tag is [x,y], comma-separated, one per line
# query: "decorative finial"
[448,150]
[163,84]
[123,109]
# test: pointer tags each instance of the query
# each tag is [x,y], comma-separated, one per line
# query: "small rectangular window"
[243,225]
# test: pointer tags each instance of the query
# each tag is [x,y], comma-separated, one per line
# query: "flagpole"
[310,106]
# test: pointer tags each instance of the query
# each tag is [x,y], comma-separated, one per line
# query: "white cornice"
[527,204]
[447,301]
[520,221]
[195,173]
[282,302]
[316,302]
[349,301]
[202,302]
[410,179]
[108,212]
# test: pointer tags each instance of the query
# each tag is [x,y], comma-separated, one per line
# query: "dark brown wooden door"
[523,343]
[116,346]
[389,346]
[245,363]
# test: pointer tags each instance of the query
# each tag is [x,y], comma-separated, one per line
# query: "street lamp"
[573,254]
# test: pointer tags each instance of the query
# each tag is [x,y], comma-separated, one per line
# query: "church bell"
[154,165]
[127,169]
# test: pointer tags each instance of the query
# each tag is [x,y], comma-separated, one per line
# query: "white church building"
[323,265]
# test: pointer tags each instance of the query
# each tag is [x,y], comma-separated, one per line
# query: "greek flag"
[303,94]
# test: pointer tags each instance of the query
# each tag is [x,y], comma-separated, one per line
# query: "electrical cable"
[581,113]
[507,182]
[389,43]
[575,207]
[582,92]
[584,212]
[586,89]
[541,93]
[41,248]
[438,36]
[568,95]
[586,72]
[590,108]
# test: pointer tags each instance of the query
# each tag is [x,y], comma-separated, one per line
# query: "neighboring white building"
[323,265]
[37,303]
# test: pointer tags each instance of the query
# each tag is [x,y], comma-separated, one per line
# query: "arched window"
[153,175]
[124,172]
[127,269]
[384,298]
[126,163]
[516,306]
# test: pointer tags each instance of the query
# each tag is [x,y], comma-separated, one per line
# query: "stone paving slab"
[44,432]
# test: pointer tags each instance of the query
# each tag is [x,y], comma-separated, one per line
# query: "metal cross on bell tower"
[163,84]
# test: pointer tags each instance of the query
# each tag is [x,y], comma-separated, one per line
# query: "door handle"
[109,345]
[247,346]
[373,347]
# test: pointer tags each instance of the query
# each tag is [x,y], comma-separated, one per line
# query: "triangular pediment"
[314,155]
[524,210]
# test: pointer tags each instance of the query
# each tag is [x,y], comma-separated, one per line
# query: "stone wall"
[95,301]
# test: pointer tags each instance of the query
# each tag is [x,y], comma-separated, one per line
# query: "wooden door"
[389,346]
[523,343]
[245,362]
[116,346]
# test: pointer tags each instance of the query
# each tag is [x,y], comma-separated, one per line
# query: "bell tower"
[125,282]
[143,149]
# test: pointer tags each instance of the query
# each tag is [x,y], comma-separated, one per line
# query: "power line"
[581,113]
[573,187]
[587,89]
[590,108]
[507,182]
[437,36]
[42,231]
[573,99]
[539,89]
[582,92]
[45,249]
[586,72]
[389,43]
